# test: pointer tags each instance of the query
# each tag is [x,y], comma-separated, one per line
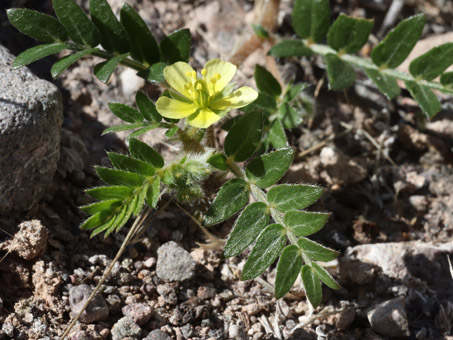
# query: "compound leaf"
[277,135]
[289,116]
[108,205]
[67,61]
[398,43]
[218,161]
[147,107]
[134,165]
[286,197]
[290,48]
[325,277]
[288,268]
[231,198]
[447,79]
[266,82]
[110,192]
[119,177]
[267,169]
[246,229]
[152,196]
[311,19]
[269,245]
[104,70]
[126,113]
[386,84]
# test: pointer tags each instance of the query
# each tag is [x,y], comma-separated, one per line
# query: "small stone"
[389,318]
[8,328]
[114,303]
[97,309]
[29,242]
[168,294]
[149,263]
[205,292]
[345,318]
[140,313]
[187,331]
[237,332]
[419,202]
[130,82]
[157,334]
[126,328]
[174,263]
[104,333]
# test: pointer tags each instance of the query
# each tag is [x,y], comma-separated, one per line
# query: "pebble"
[168,294]
[126,328]
[237,332]
[149,263]
[389,318]
[31,114]
[174,263]
[157,334]
[345,318]
[130,82]
[97,309]
[140,313]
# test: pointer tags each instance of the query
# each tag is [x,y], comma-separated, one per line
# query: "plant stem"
[107,55]
[368,64]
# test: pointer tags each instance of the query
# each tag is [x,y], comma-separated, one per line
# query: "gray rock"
[140,313]
[157,334]
[126,328]
[30,118]
[174,263]
[389,318]
[97,309]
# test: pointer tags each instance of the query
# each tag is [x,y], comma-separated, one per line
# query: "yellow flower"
[206,99]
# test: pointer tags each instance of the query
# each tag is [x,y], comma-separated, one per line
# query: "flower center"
[198,88]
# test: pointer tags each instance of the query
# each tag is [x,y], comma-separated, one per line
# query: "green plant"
[347,35]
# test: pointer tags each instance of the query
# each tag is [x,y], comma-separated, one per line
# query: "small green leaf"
[290,48]
[153,194]
[349,34]
[35,53]
[268,169]
[119,177]
[104,70]
[433,63]
[95,220]
[110,192]
[39,26]
[144,47]
[264,101]
[304,223]
[123,127]
[145,153]
[108,205]
[266,82]
[176,47]
[269,245]
[398,43]
[171,132]
[277,136]
[316,251]
[126,163]
[260,31]
[447,79]
[126,113]
[67,61]
[154,74]
[386,84]
[424,97]
[104,227]
[125,216]
[114,37]
[312,285]
[244,137]
[80,29]
[286,197]
[147,107]
[246,229]
[311,19]
[292,91]
[140,200]
[288,115]
[325,277]
[218,161]
[288,268]
[341,74]
[231,198]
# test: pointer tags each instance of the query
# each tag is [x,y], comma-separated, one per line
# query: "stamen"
[194,74]
[203,72]
[188,73]
[218,76]
[199,87]
[213,80]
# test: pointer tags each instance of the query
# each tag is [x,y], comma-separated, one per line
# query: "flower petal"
[214,68]
[173,108]
[239,98]
[203,119]
[177,77]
